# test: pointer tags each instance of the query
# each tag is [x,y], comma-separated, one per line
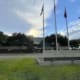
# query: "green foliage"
[74,43]
[3,38]
[17,39]
[51,40]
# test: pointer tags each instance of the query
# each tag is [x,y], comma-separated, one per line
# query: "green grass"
[27,69]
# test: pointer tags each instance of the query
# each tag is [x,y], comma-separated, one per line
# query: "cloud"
[74,30]
[30,13]
[34,20]
[62,33]
[6,33]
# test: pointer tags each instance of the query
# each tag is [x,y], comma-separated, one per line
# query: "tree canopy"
[62,40]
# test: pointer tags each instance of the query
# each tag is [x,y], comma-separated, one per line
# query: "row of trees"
[62,41]
[19,39]
[16,40]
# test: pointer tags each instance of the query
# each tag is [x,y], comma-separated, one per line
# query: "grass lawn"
[27,69]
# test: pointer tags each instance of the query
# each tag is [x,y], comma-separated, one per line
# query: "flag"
[78,17]
[42,10]
[54,6]
[65,13]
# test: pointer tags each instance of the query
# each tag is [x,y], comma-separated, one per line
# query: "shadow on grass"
[31,76]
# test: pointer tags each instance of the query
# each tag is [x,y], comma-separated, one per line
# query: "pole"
[67,32]
[43,32]
[67,28]
[55,23]
[42,13]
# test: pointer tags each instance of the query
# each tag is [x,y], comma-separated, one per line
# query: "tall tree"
[3,38]
[62,40]
[74,43]
[18,39]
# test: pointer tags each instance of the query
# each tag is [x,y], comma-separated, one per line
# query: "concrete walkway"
[60,53]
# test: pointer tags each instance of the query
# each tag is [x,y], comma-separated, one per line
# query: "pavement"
[60,53]
[10,56]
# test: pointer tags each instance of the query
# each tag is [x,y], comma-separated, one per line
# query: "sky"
[24,16]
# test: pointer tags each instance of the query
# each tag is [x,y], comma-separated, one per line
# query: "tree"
[62,40]
[3,38]
[18,39]
[74,43]
[51,40]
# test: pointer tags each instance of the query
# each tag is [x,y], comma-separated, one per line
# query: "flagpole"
[43,32]
[55,23]
[42,13]
[67,32]
[65,15]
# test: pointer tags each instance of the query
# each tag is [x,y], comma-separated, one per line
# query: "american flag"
[65,13]
[42,10]
[54,6]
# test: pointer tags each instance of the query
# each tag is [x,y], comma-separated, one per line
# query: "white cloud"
[62,33]
[30,12]
[74,30]
[6,33]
